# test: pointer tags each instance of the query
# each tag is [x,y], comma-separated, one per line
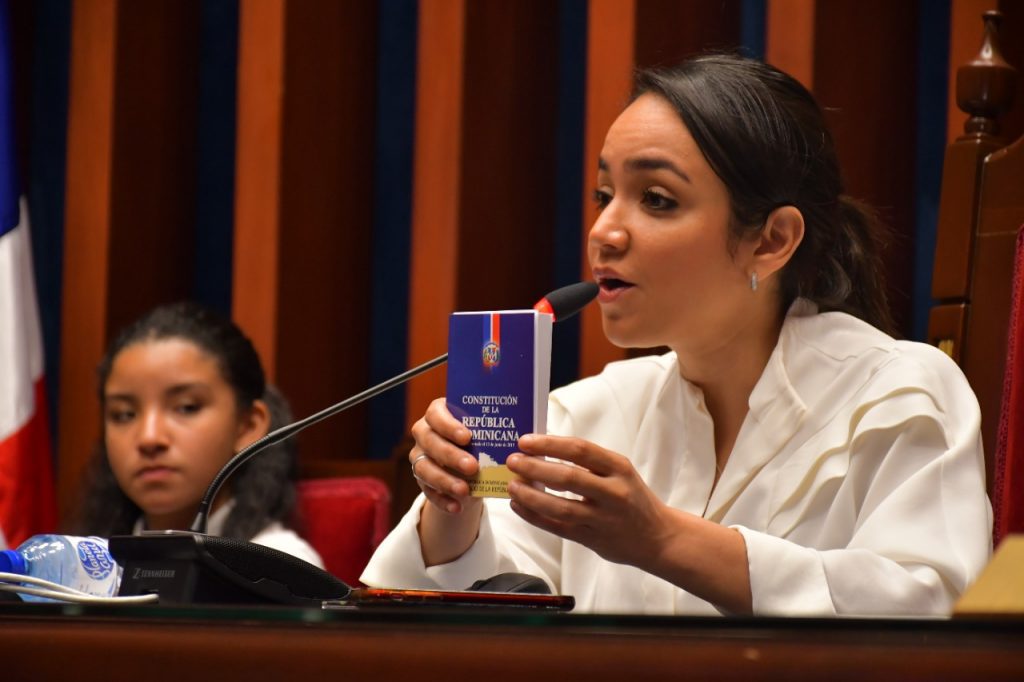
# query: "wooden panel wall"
[130,188]
[436,183]
[856,81]
[484,182]
[302,209]
[790,38]
[258,174]
[87,232]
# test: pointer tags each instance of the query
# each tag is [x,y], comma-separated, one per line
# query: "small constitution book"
[499,373]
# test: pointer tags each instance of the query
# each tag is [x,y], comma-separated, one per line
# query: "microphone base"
[183,567]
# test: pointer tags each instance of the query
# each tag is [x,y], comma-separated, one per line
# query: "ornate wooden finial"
[985,86]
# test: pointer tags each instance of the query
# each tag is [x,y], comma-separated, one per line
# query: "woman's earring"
[753,281]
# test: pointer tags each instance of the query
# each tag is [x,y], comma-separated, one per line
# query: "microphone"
[566,301]
[193,567]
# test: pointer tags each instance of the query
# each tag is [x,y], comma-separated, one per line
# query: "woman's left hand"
[619,517]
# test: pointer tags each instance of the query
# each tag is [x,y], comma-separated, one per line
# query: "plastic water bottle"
[84,564]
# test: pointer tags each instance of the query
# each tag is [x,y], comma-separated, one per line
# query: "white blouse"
[857,480]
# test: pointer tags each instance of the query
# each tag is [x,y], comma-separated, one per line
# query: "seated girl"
[182,390]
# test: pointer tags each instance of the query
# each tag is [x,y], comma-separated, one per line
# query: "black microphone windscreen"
[569,300]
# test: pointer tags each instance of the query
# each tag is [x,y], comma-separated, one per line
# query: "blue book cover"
[499,369]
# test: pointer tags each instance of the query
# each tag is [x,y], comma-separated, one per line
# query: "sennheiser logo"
[148,573]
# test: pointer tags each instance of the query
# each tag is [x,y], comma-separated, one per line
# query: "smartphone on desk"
[376,596]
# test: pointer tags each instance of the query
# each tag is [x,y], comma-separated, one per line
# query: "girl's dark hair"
[263,489]
[765,136]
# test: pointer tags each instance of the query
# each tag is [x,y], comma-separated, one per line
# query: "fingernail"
[526,441]
[466,463]
[513,460]
[513,487]
[453,508]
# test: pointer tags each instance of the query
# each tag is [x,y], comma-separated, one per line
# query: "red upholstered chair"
[1008,483]
[344,519]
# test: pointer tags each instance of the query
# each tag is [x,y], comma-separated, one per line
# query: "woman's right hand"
[438,456]
[450,522]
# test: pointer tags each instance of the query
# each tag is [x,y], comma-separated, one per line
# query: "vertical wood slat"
[258,174]
[855,82]
[611,28]
[86,233]
[326,219]
[790,40]
[154,181]
[1012,123]
[507,181]
[668,31]
[130,192]
[303,215]
[435,204]
[484,169]
[821,44]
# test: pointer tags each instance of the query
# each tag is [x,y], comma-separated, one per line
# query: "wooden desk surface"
[197,643]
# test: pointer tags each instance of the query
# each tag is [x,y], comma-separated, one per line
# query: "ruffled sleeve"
[887,513]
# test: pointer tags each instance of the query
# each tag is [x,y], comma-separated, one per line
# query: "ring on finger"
[414,463]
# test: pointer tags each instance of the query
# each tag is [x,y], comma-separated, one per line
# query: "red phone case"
[374,596]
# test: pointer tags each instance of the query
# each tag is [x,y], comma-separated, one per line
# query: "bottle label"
[95,559]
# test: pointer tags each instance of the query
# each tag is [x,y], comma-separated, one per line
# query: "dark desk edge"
[511,617]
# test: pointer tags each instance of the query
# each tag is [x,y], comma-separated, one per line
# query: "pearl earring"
[753,281]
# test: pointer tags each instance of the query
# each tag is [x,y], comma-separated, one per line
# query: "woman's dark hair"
[263,489]
[765,136]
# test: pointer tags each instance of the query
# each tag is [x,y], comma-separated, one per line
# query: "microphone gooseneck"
[246,453]
[561,303]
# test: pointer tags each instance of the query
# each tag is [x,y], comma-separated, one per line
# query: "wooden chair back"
[980,210]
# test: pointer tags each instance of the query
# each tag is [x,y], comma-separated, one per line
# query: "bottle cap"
[12,562]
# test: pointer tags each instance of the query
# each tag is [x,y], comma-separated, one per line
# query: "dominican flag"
[26,481]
